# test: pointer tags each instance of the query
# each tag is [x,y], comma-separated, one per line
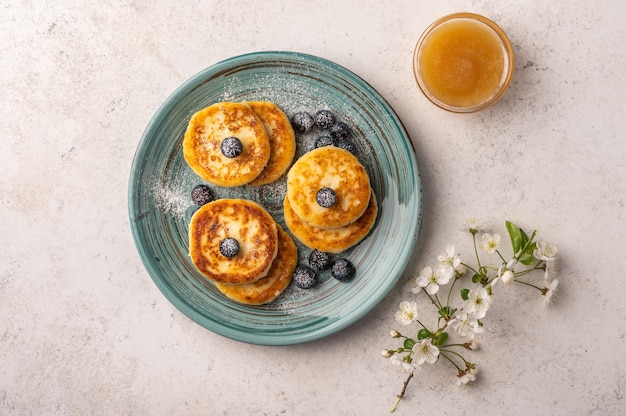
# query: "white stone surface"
[84,331]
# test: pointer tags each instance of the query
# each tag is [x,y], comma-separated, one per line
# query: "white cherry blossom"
[475,224]
[467,376]
[407,312]
[425,351]
[466,326]
[489,242]
[551,268]
[409,367]
[544,251]
[549,292]
[430,279]
[478,302]
[449,258]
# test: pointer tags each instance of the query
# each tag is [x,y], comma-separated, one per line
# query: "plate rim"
[206,75]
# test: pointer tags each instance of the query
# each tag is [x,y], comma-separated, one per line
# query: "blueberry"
[347,144]
[319,260]
[231,147]
[304,277]
[229,247]
[326,197]
[324,119]
[322,141]
[302,122]
[343,270]
[340,130]
[202,194]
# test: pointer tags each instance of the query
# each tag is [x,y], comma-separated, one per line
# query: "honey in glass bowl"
[463,62]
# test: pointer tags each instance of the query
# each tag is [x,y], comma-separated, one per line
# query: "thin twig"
[403,392]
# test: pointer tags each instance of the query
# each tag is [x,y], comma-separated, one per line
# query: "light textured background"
[84,331]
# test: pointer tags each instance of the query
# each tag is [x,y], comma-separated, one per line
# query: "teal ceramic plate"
[160,205]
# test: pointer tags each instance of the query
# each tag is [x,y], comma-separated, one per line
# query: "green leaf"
[527,257]
[517,236]
[444,312]
[408,343]
[423,334]
[442,338]
[476,278]
[524,238]
[464,294]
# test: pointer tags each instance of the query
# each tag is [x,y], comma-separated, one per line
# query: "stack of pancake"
[267,139]
[267,256]
[350,218]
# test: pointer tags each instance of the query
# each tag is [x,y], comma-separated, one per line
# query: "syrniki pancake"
[247,222]
[282,141]
[334,168]
[269,287]
[332,240]
[202,144]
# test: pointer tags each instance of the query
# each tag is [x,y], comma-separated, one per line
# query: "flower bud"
[460,270]
[471,345]
[387,353]
[512,263]
[507,277]
[394,334]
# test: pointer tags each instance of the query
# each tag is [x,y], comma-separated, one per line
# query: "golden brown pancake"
[246,221]
[269,287]
[282,141]
[205,133]
[333,168]
[332,240]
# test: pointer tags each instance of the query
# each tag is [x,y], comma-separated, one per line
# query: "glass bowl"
[463,62]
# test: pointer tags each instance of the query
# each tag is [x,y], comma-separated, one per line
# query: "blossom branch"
[465,319]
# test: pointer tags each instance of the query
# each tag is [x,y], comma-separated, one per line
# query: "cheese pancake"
[334,168]
[332,240]
[247,222]
[282,141]
[203,139]
[269,287]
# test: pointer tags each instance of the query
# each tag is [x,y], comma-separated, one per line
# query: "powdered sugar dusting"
[171,199]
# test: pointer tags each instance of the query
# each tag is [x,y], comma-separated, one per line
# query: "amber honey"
[463,62]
